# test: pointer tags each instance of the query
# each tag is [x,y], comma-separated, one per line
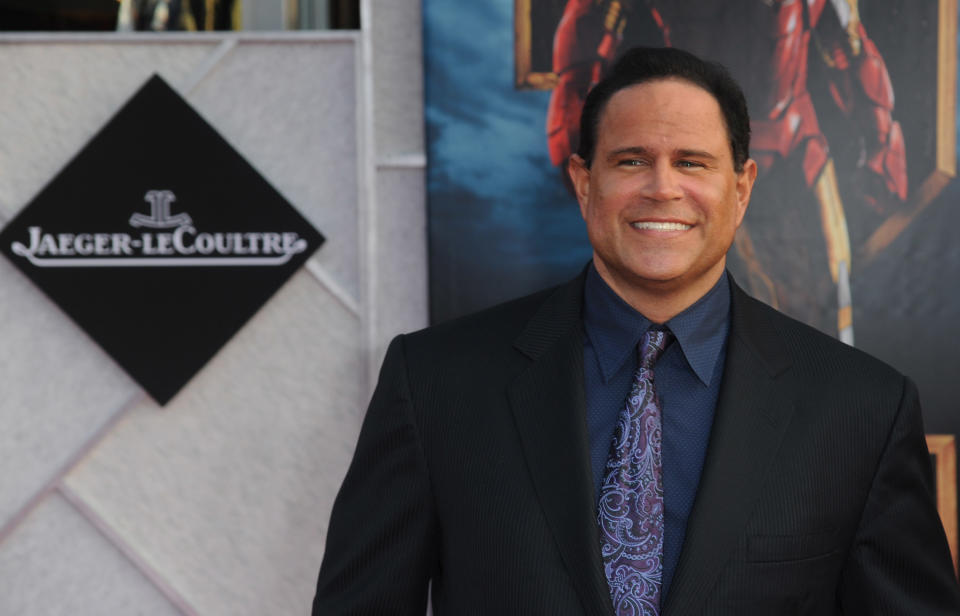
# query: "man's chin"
[668,279]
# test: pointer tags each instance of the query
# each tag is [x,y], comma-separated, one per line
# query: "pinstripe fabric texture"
[472,470]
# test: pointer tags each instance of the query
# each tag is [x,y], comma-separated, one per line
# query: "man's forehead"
[654,85]
[610,127]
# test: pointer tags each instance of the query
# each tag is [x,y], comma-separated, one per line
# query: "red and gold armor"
[777,39]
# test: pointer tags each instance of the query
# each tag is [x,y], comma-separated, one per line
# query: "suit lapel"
[753,412]
[548,405]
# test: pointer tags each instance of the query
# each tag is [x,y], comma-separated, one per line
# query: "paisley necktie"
[631,496]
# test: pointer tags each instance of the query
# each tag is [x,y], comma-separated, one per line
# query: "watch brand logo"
[161,253]
[160,217]
[158,249]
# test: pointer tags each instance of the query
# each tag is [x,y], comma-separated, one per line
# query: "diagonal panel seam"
[209,63]
[152,575]
[51,484]
[333,287]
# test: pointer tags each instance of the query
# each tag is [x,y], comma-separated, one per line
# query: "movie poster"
[852,224]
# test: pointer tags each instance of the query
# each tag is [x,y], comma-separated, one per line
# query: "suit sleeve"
[899,562]
[382,542]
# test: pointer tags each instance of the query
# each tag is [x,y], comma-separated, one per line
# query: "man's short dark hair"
[642,64]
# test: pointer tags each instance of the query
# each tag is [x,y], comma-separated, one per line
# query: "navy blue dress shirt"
[687,379]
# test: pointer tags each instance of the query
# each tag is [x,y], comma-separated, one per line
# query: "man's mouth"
[660,226]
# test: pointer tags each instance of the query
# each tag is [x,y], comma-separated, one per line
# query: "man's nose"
[663,183]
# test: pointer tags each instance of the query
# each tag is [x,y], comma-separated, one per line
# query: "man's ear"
[580,178]
[745,180]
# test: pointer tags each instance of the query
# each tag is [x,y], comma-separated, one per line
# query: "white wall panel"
[226,491]
[397,254]
[59,391]
[398,91]
[290,107]
[55,97]
[57,564]
[217,503]
[402,253]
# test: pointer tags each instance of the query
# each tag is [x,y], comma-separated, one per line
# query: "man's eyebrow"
[695,154]
[639,150]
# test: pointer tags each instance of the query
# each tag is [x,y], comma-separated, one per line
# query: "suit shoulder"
[495,326]
[811,347]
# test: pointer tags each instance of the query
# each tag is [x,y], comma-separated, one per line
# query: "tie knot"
[654,342]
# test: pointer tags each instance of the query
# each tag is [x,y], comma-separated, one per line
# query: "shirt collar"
[615,328]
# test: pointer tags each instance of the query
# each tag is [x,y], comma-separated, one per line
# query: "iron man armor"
[779,39]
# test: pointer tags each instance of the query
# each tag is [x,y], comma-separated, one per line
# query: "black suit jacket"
[472,470]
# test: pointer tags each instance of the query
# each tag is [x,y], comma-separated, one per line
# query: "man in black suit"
[781,472]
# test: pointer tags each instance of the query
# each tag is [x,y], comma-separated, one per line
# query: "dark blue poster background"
[501,222]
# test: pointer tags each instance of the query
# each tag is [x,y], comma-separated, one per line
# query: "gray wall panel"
[59,390]
[291,109]
[217,503]
[226,491]
[402,241]
[398,91]
[55,97]
[57,564]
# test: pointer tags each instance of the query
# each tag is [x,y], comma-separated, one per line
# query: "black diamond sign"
[159,240]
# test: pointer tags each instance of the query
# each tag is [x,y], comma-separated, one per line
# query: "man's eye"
[631,162]
[688,164]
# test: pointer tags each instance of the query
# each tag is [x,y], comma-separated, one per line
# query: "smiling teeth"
[661,226]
